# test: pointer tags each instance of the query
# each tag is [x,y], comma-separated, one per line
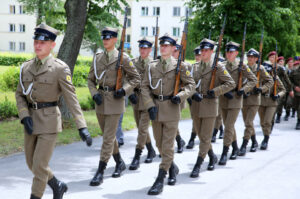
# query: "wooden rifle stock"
[259,58]
[240,80]
[275,73]
[156,39]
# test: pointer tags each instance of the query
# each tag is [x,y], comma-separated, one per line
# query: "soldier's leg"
[29,148]
[191,142]
[120,134]
[288,106]
[279,110]
[297,108]
[268,116]
[180,142]
[157,133]
[45,144]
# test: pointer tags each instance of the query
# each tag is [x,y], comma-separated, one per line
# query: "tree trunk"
[76,12]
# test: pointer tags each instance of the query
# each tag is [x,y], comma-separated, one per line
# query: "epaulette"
[60,62]
[97,53]
[29,60]
[154,61]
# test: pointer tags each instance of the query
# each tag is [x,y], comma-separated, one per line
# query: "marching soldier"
[42,81]
[206,102]
[251,101]
[232,101]
[289,101]
[295,79]
[268,105]
[110,103]
[141,115]
[164,108]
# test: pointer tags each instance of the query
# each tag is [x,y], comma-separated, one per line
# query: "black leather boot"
[298,125]
[180,144]
[120,165]
[58,188]
[287,115]
[196,169]
[34,197]
[221,136]
[278,116]
[254,144]
[212,160]
[98,178]
[223,158]
[264,144]
[214,136]
[135,164]
[235,151]
[191,141]
[158,185]
[151,153]
[293,112]
[243,148]
[173,172]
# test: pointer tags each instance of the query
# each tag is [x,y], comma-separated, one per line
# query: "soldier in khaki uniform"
[232,101]
[268,105]
[289,101]
[295,79]
[206,102]
[141,115]
[42,81]
[164,108]
[251,101]
[110,103]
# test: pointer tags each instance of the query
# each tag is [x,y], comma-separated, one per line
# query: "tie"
[38,65]
[203,67]
[143,64]
[164,65]
[107,57]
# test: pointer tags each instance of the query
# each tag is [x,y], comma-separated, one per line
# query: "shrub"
[80,76]
[10,79]
[87,104]
[8,109]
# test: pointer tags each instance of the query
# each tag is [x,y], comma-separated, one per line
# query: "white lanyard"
[95,70]
[21,83]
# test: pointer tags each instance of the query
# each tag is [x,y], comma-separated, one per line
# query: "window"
[144,11]
[129,12]
[21,8]
[22,27]
[22,46]
[176,11]
[12,28]
[127,39]
[176,32]
[12,9]
[12,46]
[144,31]
[189,10]
[128,22]
[156,11]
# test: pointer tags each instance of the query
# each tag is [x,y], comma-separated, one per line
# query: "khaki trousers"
[218,121]
[229,118]
[142,122]
[266,114]
[38,151]
[249,113]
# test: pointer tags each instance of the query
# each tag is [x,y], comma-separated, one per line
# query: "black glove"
[85,136]
[28,124]
[275,97]
[152,112]
[197,97]
[189,100]
[240,92]
[229,95]
[246,95]
[175,99]
[210,94]
[119,93]
[133,98]
[257,90]
[98,99]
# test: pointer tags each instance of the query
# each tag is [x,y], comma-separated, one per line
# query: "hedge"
[8,109]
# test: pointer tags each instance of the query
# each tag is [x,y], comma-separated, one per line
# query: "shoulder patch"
[248,70]
[188,73]
[225,72]
[68,78]
[131,63]
[267,74]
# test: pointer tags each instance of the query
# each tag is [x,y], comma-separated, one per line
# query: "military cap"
[272,53]
[167,40]
[296,57]
[280,58]
[289,59]
[207,44]
[296,63]
[232,46]
[253,52]
[45,33]
[109,32]
[145,43]
[197,50]
[268,66]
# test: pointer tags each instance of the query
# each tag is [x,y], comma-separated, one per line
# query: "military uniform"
[206,109]
[289,102]
[268,106]
[41,84]
[295,79]
[251,103]
[110,103]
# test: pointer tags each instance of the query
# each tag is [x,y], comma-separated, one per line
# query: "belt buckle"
[161,98]
[106,88]
[34,106]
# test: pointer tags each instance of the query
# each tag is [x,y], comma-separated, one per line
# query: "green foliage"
[10,78]
[7,109]
[87,104]
[80,76]
[12,59]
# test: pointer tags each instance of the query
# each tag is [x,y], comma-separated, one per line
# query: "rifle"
[181,57]
[120,55]
[275,73]
[209,35]
[259,58]
[216,59]
[240,81]
[156,39]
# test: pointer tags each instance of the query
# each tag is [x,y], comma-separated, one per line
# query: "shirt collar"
[43,60]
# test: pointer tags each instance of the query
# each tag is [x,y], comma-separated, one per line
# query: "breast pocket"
[27,79]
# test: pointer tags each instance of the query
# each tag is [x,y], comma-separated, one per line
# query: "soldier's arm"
[146,92]
[92,83]
[227,83]
[68,92]
[251,79]
[132,76]
[21,103]
[288,82]
[280,88]
[266,78]
[188,84]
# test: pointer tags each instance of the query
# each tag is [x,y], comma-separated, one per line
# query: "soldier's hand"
[275,97]
[257,90]
[152,112]
[246,95]
[133,98]
[175,99]
[28,124]
[119,93]
[98,99]
[211,94]
[291,94]
[229,95]
[189,100]
[240,92]
[85,136]
[197,97]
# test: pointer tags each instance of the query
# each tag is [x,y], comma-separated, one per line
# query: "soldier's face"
[206,54]
[109,44]
[281,62]
[272,59]
[43,48]
[166,50]
[198,58]
[290,64]
[175,54]
[144,52]
[252,60]
[231,55]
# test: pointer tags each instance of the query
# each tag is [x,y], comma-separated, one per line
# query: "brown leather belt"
[162,98]
[106,88]
[39,105]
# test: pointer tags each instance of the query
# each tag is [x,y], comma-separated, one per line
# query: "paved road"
[271,174]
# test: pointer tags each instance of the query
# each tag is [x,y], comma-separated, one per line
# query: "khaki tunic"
[295,80]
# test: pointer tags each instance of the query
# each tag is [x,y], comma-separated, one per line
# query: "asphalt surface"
[270,174]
